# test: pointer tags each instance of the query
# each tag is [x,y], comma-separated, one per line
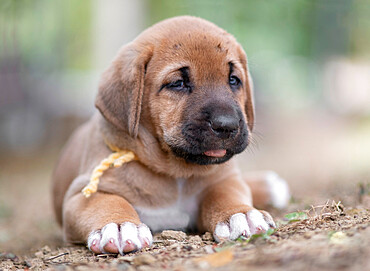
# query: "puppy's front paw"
[253,222]
[124,238]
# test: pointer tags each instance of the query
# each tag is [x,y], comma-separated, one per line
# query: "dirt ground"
[326,237]
[328,230]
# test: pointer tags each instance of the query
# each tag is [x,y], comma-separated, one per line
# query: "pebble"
[39,254]
[209,249]
[8,256]
[339,238]
[207,236]
[195,239]
[174,235]
[125,258]
[46,249]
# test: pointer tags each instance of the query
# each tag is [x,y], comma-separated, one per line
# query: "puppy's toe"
[222,232]
[105,240]
[135,237]
[239,224]
[256,222]
[109,242]
[145,236]
[236,227]
[129,237]
[111,247]
[124,238]
[93,242]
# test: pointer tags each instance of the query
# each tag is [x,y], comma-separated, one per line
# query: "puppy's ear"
[249,105]
[248,88]
[121,88]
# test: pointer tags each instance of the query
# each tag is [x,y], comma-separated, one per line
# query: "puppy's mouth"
[203,158]
[204,149]
[215,153]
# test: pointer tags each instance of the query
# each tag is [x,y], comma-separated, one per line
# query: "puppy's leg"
[268,189]
[106,222]
[226,210]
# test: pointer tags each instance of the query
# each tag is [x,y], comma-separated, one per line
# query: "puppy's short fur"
[179,96]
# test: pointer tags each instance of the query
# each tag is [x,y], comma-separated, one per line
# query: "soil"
[330,238]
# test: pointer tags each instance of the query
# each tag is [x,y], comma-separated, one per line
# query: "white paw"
[124,238]
[279,190]
[253,222]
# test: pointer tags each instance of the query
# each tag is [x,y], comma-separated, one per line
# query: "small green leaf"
[264,236]
[270,232]
[224,246]
[242,239]
[255,237]
[296,216]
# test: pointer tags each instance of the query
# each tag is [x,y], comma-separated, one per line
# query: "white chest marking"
[178,216]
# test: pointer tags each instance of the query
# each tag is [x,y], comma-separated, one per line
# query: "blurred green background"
[310,61]
[52,53]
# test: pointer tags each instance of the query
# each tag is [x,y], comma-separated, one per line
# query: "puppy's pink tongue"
[215,153]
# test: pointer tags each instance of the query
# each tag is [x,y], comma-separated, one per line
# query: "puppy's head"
[186,81]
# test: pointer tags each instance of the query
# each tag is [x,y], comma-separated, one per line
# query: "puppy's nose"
[225,126]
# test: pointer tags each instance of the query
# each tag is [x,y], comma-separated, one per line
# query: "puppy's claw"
[145,242]
[268,219]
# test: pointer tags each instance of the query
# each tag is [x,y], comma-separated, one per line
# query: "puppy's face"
[196,87]
[186,81]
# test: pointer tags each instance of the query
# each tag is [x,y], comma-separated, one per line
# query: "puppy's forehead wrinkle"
[171,68]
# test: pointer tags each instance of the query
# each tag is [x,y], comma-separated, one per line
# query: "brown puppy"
[179,96]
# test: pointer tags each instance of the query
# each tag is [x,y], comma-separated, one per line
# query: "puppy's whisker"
[252,148]
[257,135]
[254,142]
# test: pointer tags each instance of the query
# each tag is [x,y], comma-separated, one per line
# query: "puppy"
[180,98]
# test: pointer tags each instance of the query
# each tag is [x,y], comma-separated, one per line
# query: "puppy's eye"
[234,82]
[178,85]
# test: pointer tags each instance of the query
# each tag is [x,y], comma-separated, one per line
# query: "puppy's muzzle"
[225,126]
[224,119]
[212,134]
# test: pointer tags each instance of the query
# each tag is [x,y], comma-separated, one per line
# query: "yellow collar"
[115,159]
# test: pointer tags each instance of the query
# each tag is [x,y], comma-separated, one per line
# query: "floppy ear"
[248,88]
[249,105]
[121,88]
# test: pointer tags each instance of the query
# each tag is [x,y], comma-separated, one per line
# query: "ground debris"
[329,237]
[207,236]
[173,235]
